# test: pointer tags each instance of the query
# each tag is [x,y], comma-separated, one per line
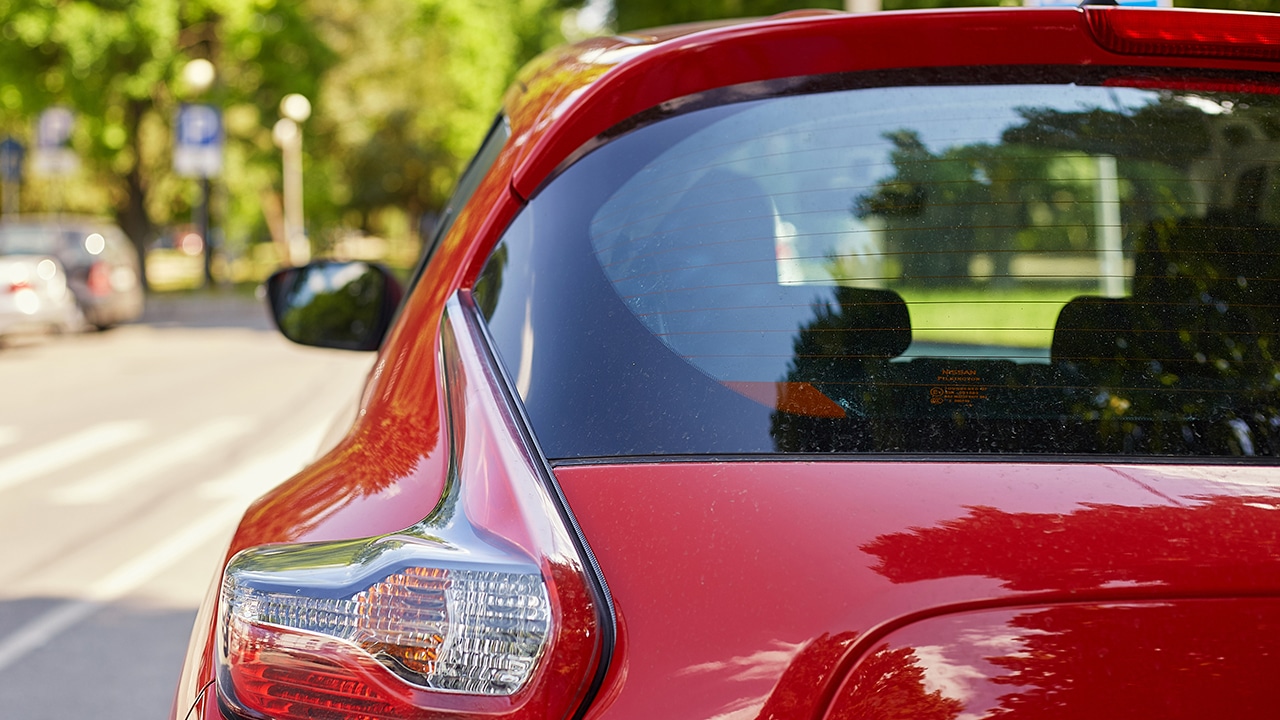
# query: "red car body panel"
[754,588]
[1186,658]
[748,589]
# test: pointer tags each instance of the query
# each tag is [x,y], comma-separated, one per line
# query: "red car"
[905,365]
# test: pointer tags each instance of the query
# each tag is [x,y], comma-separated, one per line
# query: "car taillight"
[99,281]
[487,607]
[1200,33]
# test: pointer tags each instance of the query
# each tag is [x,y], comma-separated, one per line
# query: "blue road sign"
[199,139]
[11,154]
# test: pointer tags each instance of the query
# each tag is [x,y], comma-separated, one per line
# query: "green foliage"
[636,14]
[416,89]
[402,92]
[118,66]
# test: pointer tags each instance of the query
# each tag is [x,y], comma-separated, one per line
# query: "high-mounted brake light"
[486,607]
[1198,33]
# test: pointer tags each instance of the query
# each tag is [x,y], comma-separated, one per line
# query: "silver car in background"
[35,298]
[102,266]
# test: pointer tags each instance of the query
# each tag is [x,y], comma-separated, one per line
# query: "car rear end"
[102,267]
[914,365]
[34,297]
[941,392]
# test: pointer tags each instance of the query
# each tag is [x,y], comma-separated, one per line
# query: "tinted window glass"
[1034,268]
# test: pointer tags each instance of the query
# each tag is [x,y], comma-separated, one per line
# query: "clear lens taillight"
[475,630]
[487,607]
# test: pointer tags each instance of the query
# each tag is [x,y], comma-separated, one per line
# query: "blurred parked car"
[100,262]
[34,297]
[898,365]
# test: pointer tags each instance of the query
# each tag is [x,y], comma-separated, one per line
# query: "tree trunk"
[132,213]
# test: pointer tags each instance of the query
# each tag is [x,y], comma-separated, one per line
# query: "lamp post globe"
[198,75]
[295,107]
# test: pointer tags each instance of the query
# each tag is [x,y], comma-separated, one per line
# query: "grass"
[1014,317]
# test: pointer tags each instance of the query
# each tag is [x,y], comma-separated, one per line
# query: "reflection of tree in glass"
[1189,363]
[931,206]
[489,286]
[853,331]
[941,210]
[1034,190]
[1143,133]
[1187,366]
[904,195]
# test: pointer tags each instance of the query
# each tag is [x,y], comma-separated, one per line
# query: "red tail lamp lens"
[1135,31]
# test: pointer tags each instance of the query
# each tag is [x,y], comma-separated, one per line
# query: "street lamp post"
[294,110]
[199,152]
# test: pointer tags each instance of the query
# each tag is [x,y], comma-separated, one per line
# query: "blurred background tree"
[403,91]
[634,14]
[415,90]
[117,64]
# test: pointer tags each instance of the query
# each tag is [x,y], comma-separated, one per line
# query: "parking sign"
[199,138]
[11,156]
[53,154]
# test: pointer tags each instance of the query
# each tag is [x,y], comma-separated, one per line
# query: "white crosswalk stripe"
[122,581]
[228,494]
[67,451]
[257,476]
[107,484]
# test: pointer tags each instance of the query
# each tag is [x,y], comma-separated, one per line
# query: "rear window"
[1070,266]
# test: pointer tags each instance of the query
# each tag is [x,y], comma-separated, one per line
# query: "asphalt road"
[125,457]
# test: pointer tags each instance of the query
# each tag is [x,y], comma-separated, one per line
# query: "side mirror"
[332,304]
